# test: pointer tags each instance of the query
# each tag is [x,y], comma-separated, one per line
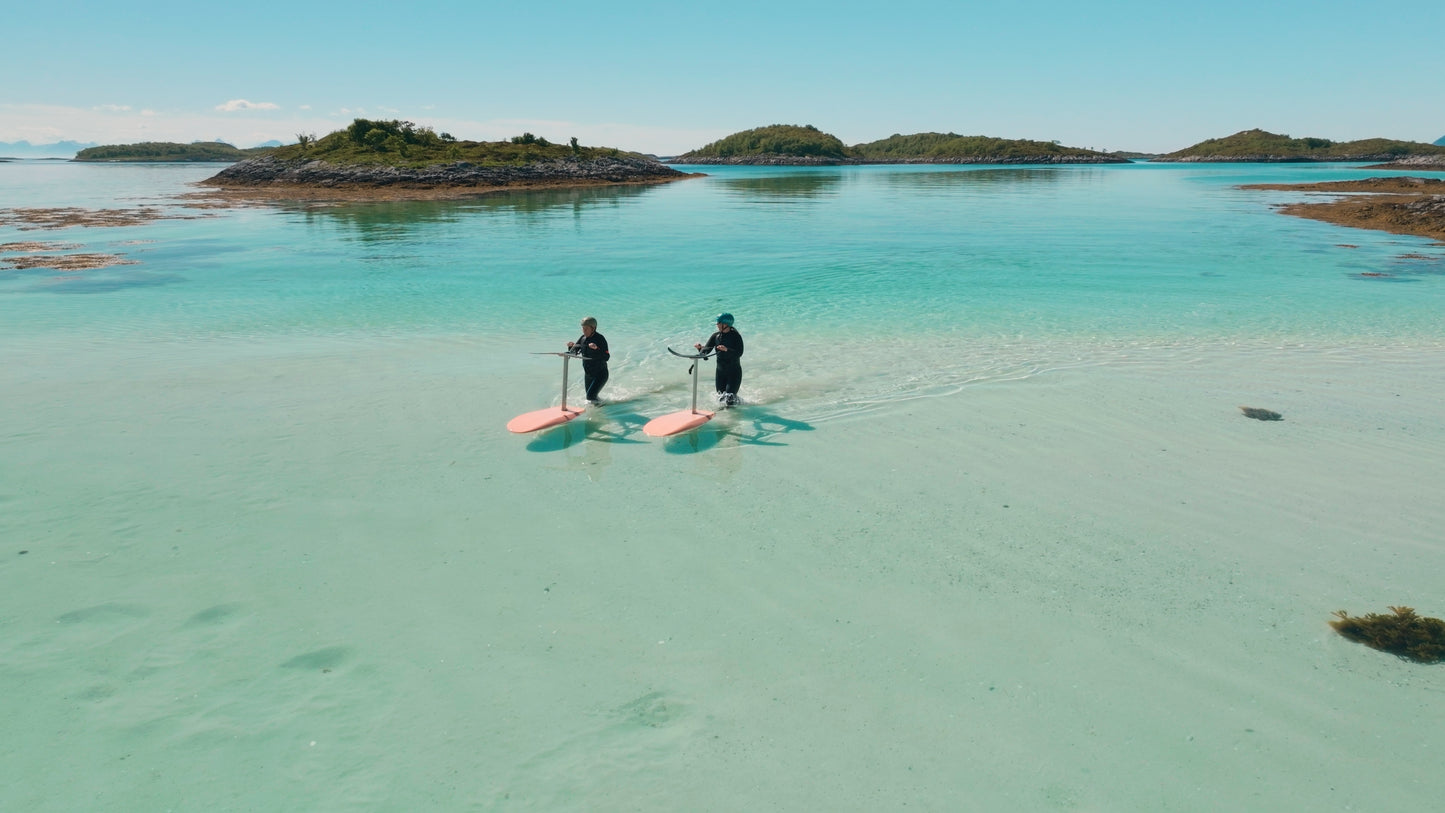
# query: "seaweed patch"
[1410,636]
[30,219]
[65,262]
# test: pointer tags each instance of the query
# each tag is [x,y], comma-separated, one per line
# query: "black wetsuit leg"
[594,378]
[729,379]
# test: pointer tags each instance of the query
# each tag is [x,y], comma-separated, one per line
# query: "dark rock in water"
[1261,414]
[1406,634]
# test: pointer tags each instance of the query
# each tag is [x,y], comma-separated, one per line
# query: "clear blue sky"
[668,77]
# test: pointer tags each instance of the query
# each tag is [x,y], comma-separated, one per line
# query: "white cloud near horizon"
[236,105]
[48,124]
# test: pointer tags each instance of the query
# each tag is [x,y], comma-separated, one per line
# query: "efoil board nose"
[676,422]
[541,419]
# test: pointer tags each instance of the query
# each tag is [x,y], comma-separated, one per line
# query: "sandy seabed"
[267,577]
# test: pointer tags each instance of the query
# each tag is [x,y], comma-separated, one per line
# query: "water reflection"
[392,219]
[955,179]
[783,187]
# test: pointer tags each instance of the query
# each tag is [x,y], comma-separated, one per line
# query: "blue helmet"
[725,319]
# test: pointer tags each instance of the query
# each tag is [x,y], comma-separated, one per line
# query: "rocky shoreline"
[820,161]
[1415,163]
[1277,159]
[269,176]
[1398,205]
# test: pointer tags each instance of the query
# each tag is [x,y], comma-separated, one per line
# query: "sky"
[664,78]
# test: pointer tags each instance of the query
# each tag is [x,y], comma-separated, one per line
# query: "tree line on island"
[364,141]
[165,151]
[369,158]
[405,144]
[776,143]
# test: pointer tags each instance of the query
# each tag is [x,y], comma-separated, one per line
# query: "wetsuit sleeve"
[711,343]
[737,345]
[602,353]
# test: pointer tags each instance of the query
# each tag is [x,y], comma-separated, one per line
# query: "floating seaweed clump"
[1406,634]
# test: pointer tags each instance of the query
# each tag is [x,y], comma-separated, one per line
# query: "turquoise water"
[1141,251]
[938,276]
[988,533]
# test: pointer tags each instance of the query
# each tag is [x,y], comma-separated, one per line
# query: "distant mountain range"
[1440,142]
[24,149]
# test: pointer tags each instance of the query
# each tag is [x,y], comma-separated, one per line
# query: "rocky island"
[1397,205]
[400,160]
[806,145]
[1259,146]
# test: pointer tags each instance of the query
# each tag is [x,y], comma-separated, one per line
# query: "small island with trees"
[1259,146]
[805,145]
[169,151]
[371,159]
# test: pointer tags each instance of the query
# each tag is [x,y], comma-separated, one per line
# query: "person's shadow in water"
[752,426]
[606,426]
[746,425]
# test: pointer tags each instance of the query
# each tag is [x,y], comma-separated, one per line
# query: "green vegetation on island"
[806,144]
[952,146]
[166,151]
[399,159]
[789,140]
[405,144]
[1259,145]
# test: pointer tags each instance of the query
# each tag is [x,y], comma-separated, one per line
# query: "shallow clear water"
[989,532]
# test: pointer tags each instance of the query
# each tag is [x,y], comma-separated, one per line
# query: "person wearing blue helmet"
[728,344]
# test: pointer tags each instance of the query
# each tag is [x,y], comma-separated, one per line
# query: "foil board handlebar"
[557,353]
[704,355]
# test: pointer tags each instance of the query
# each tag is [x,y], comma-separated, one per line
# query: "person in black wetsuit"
[593,347]
[729,346]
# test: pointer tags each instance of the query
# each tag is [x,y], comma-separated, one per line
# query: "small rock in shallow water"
[1261,414]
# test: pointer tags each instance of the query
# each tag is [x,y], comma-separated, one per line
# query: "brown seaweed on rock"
[1406,634]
